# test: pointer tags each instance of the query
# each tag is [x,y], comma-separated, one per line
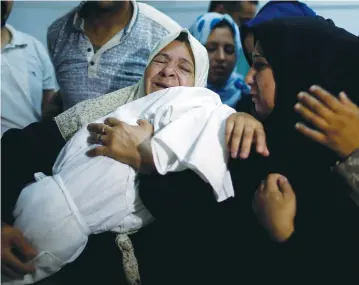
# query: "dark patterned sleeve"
[349,170]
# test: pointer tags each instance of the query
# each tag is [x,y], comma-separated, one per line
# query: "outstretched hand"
[336,121]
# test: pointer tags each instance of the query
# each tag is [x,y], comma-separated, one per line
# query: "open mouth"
[161,85]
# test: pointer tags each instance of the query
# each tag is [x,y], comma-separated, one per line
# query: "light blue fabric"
[235,86]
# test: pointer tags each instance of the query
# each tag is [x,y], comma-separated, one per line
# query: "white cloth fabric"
[26,70]
[93,195]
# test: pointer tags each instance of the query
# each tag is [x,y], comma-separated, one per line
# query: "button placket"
[92,66]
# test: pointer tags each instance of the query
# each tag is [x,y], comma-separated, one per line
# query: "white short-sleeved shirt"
[26,71]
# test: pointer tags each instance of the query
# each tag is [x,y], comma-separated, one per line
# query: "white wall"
[345,14]
[34,17]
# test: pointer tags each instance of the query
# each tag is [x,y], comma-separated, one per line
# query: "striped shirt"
[84,74]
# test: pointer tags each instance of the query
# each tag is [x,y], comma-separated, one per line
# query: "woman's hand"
[122,142]
[243,130]
[275,206]
[336,120]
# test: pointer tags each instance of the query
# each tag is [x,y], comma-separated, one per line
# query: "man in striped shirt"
[102,46]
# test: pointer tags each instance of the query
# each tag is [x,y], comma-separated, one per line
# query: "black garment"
[195,238]
[304,51]
[25,152]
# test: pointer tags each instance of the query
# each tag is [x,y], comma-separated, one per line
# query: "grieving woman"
[88,195]
[290,55]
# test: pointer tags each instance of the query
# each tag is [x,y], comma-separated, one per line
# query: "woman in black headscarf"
[290,55]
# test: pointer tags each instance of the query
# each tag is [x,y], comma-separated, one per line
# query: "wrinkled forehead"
[179,48]
[197,51]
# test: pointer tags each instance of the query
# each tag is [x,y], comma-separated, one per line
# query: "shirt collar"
[79,22]
[17,39]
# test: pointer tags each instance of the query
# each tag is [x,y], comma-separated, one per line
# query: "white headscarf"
[87,111]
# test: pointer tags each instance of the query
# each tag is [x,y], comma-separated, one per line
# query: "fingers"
[242,130]
[143,123]
[246,142]
[98,128]
[285,187]
[310,116]
[24,247]
[229,129]
[99,151]
[345,100]
[15,265]
[92,138]
[325,97]
[261,142]
[314,105]
[236,139]
[271,183]
[9,272]
[146,124]
[310,133]
[112,122]
[98,139]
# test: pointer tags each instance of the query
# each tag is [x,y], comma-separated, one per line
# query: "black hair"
[182,37]
[228,5]
[222,24]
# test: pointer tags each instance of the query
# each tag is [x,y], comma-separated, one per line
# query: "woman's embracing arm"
[85,112]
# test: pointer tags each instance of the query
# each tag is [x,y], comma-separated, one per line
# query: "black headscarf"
[325,216]
[304,51]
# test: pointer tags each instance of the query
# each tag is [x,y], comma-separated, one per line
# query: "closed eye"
[159,61]
[186,69]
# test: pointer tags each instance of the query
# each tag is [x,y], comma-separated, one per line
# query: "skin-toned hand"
[336,120]
[275,206]
[123,142]
[243,130]
[12,265]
